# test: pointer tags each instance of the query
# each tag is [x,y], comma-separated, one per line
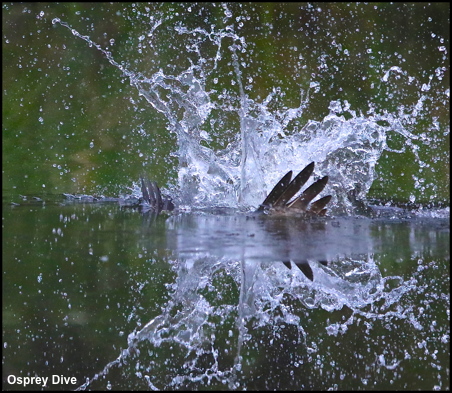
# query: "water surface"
[216,101]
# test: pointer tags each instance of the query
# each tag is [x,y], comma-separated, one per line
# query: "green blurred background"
[73,123]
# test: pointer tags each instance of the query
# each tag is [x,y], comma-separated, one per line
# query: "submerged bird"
[279,201]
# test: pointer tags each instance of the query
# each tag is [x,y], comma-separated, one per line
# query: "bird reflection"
[282,200]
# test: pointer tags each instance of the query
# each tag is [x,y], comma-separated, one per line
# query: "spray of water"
[237,173]
[345,145]
[193,321]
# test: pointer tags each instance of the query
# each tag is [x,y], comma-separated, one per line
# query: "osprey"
[282,200]
[279,201]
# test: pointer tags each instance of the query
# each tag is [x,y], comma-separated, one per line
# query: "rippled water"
[233,296]
[204,299]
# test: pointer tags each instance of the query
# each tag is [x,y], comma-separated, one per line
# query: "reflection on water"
[207,299]
[204,300]
[233,300]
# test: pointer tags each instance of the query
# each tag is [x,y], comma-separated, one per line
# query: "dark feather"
[295,186]
[302,202]
[319,205]
[153,196]
[306,269]
[277,191]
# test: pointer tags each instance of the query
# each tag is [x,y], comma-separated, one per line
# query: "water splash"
[196,326]
[236,169]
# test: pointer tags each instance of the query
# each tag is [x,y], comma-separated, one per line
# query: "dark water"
[202,300]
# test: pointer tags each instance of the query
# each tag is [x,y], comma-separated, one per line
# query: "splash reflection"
[233,300]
